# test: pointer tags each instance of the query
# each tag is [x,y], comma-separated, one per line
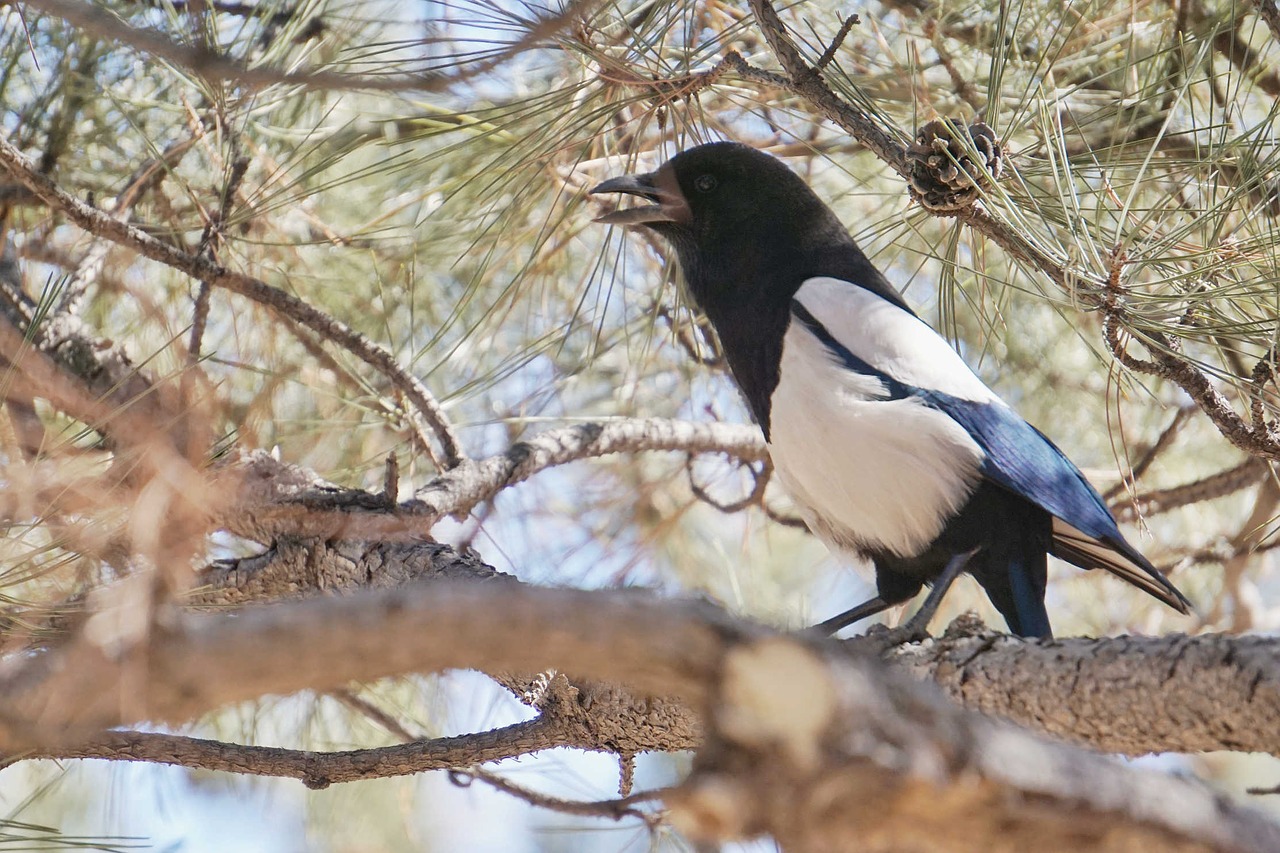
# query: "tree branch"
[819,717]
[277,499]
[1248,473]
[1034,685]
[100,224]
[1149,454]
[320,769]
[1132,695]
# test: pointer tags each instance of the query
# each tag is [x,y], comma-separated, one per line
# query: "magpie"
[892,449]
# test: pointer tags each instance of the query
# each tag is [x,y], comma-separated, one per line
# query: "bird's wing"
[885,339]
[876,338]
[1023,460]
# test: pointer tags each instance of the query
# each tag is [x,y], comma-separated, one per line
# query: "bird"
[890,446]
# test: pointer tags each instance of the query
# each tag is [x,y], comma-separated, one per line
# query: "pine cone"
[944,175]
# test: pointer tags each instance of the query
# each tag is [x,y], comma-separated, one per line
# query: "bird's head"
[748,230]
[713,190]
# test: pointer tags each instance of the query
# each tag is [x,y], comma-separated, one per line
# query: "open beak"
[667,205]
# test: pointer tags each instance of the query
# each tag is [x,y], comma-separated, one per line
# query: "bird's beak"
[657,187]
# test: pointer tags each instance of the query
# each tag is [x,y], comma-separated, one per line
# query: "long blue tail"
[1014,577]
[1028,617]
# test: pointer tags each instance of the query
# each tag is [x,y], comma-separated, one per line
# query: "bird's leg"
[916,627]
[853,614]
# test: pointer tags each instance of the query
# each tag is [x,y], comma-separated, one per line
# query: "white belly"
[868,474]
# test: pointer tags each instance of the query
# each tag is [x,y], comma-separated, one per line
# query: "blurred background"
[434,199]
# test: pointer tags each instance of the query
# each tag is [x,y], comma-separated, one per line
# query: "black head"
[720,191]
[740,219]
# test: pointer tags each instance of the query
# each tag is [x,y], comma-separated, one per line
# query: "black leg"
[855,614]
[916,627]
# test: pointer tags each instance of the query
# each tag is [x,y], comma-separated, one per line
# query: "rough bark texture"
[297,568]
[822,748]
[880,783]
[317,769]
[1130,695]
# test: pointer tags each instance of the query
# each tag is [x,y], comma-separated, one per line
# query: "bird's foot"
[911,631]
[916,628]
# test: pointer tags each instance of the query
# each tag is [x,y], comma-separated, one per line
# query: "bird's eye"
[705,183]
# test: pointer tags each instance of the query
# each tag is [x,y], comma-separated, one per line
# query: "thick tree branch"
[1191,695]
[303,568]
[321,643]
[1132,695]
[820,718]
[1038,686]
[300,567]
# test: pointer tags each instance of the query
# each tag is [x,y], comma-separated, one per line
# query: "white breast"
[870,473]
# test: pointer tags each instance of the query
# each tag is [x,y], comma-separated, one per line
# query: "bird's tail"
[1027,575]
[1117,557]
[1014,579]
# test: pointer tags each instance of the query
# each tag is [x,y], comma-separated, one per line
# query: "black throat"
[745,282]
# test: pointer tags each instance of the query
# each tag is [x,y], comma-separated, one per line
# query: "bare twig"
[695,348]
[364,707]
[276,500]
[759,481]
[1249,539]
[457,493]
[319,769]
[965,90]
[785,520]
[830,53]
[209,242]
[1248,473]
[613,809]
[1162,443]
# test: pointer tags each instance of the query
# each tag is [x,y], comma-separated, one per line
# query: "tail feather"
[1014,579]
[1030,619]
[1117,557]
